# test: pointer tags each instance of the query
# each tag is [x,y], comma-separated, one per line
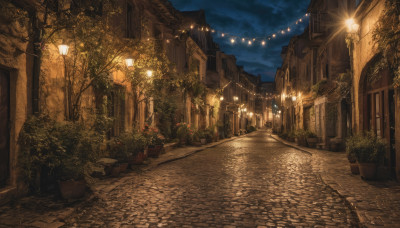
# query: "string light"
[249,40]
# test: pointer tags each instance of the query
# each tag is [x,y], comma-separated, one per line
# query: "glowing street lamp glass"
[251,114]
[149,73]
[351,25]
[221,98]
[63,49]
[235,98]
[294,98]
[129,62]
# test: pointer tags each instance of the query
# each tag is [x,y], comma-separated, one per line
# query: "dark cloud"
[251,18]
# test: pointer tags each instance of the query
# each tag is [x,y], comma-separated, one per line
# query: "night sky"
[252,18]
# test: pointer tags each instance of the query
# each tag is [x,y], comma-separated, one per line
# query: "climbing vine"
[387,37]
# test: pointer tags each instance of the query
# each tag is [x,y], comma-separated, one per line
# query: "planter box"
[367,170]
[137,159]
[354,168]
[123,167]
[72,189]
[312,142]
[154,151]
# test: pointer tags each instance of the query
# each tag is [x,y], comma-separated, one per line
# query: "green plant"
[251,129]
[366,148]
[386,35]
[318,88]
[184,133]
[61,149]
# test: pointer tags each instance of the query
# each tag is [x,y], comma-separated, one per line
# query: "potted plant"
[312,139]
[351,156]
[184,134]
[291,136]
[301,137]
[62,150]
[139,143]
[155,141]
[202,137]
[369,150]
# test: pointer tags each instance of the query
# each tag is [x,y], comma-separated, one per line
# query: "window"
[327,71]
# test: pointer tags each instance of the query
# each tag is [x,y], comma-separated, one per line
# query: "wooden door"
[4,128]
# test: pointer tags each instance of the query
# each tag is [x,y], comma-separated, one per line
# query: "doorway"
[4,128]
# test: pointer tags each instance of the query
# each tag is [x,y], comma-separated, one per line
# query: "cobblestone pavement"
[377,203]
[249,182]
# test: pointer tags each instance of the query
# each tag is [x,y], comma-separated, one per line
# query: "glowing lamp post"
[352,26]
[221,98]
[63,49]
[149,73]
[129,62]
[235,98]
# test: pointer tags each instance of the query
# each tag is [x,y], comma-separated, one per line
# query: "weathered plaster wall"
[364,51]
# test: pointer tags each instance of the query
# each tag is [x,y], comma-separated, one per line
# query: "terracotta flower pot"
[115,171]
[154,151]
[137,159]
[354,168]
[203,141]
[312,142]
[123,167]
[72,189]
[367,170]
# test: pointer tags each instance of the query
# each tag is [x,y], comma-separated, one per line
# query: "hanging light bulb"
[263,43]
[288,29]
[250,42]
[223,35]
[254,39]
[232,41]
[191,26]
[301,20]
[213,31]
[273,35]
[283,32]
[243,39]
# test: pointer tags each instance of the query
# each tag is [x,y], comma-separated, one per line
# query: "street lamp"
[352,26]
[129,62]
[294,98]
[149,73]
[235,98]
[221,98]
[63,49]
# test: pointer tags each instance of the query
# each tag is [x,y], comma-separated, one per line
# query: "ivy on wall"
[387,37]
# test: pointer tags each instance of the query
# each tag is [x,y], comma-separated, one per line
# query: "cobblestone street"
[249,182]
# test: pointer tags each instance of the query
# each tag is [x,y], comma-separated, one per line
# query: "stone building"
[313,65]
[376,103]
[33,76]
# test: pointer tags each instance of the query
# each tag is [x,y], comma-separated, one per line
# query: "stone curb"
[333,185]
[197,150]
